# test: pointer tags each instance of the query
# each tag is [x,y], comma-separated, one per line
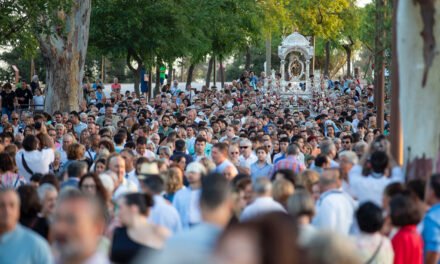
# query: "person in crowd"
[77,228]
[92,185]
[116,164]
[47,194]
[282,190]
[162,213]
[216,205]
[8,176]
[137,234]
[290,162]
[19,244]
[267,239]
[371,187]
[173,182]
[261,168]
[301,206]
[263,203]
[431,222]
[335,208]
[186,200]
[30,160]
[220,157]
[74,171]
[372,245]
[407,243]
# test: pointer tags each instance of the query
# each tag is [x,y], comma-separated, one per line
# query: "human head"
[379,162]
[262,187]
[330,179]
[347,159]
[116,163]
[77,226]
[369,218]
[433,190]
[282,189]
[153,184]
[194,172]
[92,185]
[47,193]
[76,169]
[9,210]
[246,147]
[301,204]
[132,206]
[404,210]
[219,153]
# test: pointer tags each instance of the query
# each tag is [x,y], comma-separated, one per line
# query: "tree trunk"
[157,87]
[65,56]
[222,73]
[214,73]
[137,75]
[247,65]
[268,54]
[415,48]
[209,72]
[379,64]
[150,82]
[348,52]
[190,74]
[131,54]
[170,73]
[313,58]
[327,58]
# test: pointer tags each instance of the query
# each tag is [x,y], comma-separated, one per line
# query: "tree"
[419,92]
[60,28]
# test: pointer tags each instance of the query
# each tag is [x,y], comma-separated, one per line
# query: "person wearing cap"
[186,200]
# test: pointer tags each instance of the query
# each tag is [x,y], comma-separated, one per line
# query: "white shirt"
[63,155]
[133,178]
[148,154]
[247,162]
[335,211]
[126,186]
[195,216]
[261,206]
[164,214]
[37,161]
[371,187]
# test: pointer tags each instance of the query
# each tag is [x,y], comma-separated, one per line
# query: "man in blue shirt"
[431,222]
[19,244]
[261,168]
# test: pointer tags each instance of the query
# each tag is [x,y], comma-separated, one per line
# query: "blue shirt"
[164,214]
[431,230]
[24,246]
[257,171]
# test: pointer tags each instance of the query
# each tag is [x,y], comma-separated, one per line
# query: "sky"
[362,3]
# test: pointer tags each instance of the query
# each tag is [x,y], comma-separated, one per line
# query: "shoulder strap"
[25,165]
[375,252]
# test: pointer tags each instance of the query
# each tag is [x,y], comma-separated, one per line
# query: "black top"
[26,94]
[124,249]
[42,227]
[8,99]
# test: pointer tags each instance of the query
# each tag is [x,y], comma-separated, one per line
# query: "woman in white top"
[38,100]
[31,160]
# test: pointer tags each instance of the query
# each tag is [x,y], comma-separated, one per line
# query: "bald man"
[19,244]
[335,207]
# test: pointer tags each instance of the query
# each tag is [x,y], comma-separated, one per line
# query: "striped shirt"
[290,162]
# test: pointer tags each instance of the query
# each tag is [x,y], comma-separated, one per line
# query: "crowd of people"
[231,175]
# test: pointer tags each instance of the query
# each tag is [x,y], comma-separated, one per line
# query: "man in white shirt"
[130,171]
[162,213]
[30,160]
[335,208]
[67,141]
[247,157]
[116,164]
[264,203]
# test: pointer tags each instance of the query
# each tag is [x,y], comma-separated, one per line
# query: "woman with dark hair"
[372,245]
[137,235]
[99,166]
[31,160]
[8,172]
[107,144]
[29,205]
[265,240]
[91,184]
[407,243]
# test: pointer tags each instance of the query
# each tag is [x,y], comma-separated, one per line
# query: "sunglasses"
[244,147]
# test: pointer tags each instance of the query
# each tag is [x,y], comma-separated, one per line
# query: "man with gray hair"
[75,171]
[329,149]
[291,162]
[263,203]
[347,160]
[335,207]
[247,157]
